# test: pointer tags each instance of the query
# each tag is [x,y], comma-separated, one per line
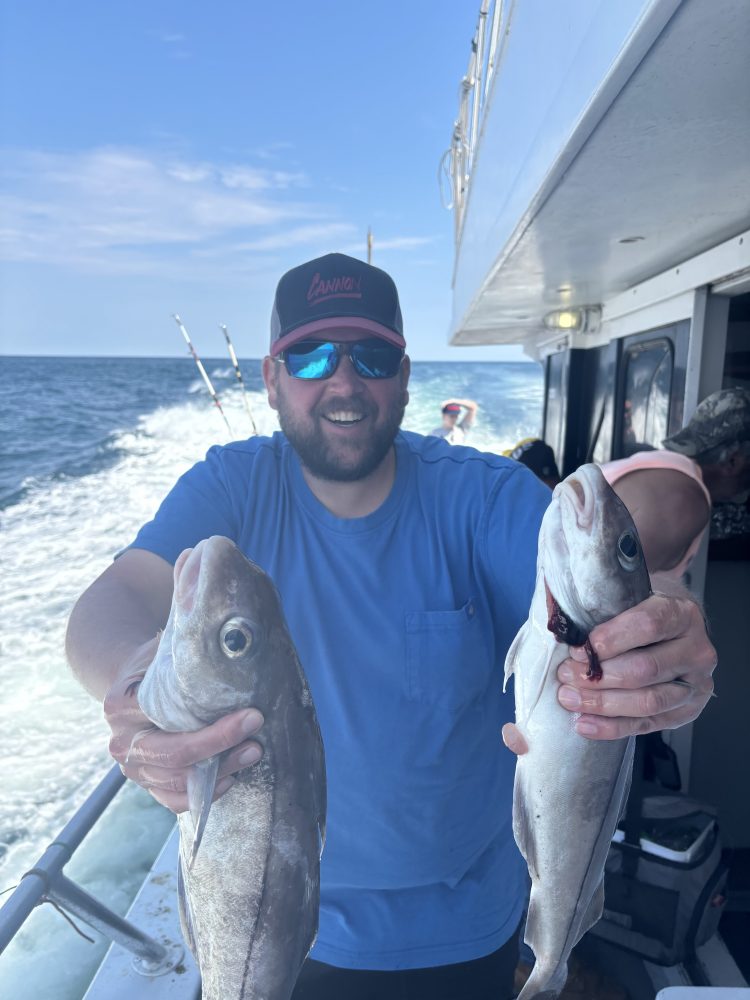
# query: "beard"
[333,462]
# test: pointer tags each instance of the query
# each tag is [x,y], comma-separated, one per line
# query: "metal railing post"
[45,881]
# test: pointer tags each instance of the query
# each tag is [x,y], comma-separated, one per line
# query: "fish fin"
[591,896]
[590,911]
[201,784]
[186,917]
[542,986]
[523,828]
[512,657]
[593,911]
[320,791]
[546,984]
[321,835]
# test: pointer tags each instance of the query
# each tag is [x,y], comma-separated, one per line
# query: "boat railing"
[486,54]
[45,882]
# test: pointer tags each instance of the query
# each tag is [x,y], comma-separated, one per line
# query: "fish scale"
[249,868]
[569,791]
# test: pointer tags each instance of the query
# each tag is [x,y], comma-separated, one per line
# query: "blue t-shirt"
[402,620]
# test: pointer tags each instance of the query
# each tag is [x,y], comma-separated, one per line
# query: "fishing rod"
[238,373]
[202,370]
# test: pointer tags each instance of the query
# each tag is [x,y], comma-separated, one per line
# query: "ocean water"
[89,446]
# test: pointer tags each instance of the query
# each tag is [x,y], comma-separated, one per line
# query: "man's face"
[341,427]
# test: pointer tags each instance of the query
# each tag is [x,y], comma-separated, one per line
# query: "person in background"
[670,492]
[451,429]
[405,568]
[537,455]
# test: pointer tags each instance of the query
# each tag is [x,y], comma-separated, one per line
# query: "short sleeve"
[199,505]
[510,542]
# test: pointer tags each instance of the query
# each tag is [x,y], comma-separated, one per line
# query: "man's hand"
[160,761]
[657,662]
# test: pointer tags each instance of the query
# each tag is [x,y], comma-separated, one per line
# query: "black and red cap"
[451,408]
[335,292]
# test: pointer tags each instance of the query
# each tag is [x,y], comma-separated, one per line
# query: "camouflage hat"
[722,418]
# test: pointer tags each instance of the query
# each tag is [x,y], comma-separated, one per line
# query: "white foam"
[53,741]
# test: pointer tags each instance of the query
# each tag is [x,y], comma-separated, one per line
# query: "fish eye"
[628,550]
[236,637]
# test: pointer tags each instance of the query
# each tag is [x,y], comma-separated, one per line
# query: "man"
[405,568]
[451,429]
[536,455]
[670,493]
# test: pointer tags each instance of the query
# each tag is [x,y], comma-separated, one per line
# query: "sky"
[177,157]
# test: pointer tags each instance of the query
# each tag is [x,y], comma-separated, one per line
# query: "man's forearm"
[100,643]
[117,619]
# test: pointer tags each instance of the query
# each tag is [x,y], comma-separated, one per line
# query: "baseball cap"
[536,455]
[451,408]
[722,418]
[335,292]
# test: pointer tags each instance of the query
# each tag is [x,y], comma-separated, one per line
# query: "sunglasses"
[312,359]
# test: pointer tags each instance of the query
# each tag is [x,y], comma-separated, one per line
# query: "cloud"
[329,233]
[402,242]
[124,209]
[257,180]
[394,243]
[128,212]
[176,44]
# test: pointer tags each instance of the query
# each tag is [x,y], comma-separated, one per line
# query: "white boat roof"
[614,144]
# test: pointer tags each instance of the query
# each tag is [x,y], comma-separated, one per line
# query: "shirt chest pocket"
[447,657]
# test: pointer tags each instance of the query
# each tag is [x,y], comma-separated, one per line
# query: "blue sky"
[162,157]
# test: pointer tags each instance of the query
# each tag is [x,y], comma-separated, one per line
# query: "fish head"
[590,552]
[222,637]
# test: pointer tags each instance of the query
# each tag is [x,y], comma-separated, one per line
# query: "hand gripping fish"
[569,791]
[249,870]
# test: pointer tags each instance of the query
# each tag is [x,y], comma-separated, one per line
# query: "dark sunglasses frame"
[372,358]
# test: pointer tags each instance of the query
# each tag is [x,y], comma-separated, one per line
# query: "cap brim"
[682,443]
[319,326]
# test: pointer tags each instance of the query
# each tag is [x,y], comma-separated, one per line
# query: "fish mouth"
[560,624]
[187,568]
[186,573]
[577,496]
[576,499]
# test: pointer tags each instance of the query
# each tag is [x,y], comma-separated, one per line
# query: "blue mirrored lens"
[372,358]
[311,360]
[375,358]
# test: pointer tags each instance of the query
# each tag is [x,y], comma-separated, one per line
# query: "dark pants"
[489,978]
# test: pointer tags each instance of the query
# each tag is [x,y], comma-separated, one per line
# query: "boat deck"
[155,910]
[618,973]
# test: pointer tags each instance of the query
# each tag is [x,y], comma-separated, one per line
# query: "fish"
[249,863]
[569,792]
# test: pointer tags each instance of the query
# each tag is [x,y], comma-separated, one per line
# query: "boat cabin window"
[647,386]
[554,410]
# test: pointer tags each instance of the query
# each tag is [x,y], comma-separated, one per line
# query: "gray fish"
[569,791]
[249,878]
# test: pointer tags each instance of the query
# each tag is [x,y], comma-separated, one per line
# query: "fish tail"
[543,983]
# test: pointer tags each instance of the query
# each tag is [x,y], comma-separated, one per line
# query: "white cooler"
[704,993]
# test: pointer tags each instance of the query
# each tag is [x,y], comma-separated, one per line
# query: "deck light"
[564,319]
[583,320]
